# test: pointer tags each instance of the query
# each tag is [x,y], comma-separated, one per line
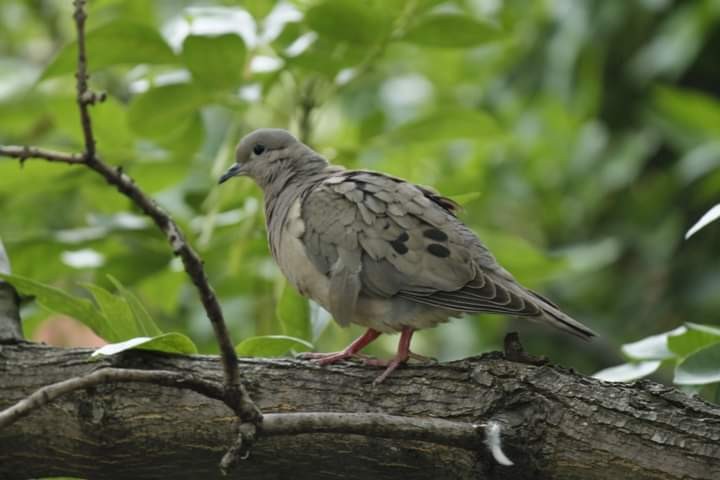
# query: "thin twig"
[85,98]
[236,396]
[191,261]
[47,394]
[115,176]
[24,153]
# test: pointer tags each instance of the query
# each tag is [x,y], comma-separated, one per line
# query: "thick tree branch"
[443,432]
[556,424]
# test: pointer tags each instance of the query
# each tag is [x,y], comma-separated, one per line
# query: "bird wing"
[380,236]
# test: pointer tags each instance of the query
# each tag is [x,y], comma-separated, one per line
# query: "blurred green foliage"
[583,136]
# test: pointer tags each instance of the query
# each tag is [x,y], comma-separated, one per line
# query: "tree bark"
[556,424]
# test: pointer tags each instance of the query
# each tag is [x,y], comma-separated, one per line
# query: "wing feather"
[410,245]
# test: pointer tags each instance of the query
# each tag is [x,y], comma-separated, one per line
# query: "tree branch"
[85,97]
[24,153]
[556,424]
[239,400]
[236,396]
[444,432]
[191,261]
[433,430]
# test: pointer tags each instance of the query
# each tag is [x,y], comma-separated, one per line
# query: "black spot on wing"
[438,250]
[435,234]
[399,247]
[399,243]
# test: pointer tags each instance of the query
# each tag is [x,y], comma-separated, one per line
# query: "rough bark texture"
[558,424]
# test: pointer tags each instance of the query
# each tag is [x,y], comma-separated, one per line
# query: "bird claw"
[326,358]
[351,351]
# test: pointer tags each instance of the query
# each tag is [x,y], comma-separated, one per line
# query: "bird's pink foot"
[402,355]
[327,358]
[351,350]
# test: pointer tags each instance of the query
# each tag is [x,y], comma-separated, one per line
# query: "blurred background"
[581,136]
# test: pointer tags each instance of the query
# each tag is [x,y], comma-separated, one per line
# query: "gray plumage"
[374,249]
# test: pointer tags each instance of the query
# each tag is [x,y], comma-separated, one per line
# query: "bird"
[377,251]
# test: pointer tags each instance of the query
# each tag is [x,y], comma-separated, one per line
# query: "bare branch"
[191,261]
[235,395]
[24,153]
[434,430]
[84,95]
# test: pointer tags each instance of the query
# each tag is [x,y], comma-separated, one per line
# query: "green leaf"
[116,312]
[215,61]
[146,326]
[328,56]
[654,347]
[451,30]
[350,21]
[695,112]
[271,346]
[446,124]
[694,338]
[628,371]
[167,342]
[57,301]
[115,43]
[161,111]
[110,127]
[293,312]
[700,368]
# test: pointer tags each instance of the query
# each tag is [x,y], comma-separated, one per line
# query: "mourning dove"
[376,250]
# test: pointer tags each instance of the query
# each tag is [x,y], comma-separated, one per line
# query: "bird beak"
[233,171]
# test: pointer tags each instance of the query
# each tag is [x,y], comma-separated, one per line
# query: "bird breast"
[383,314]
[293,261]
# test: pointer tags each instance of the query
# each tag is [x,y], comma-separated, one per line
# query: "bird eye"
[258,149]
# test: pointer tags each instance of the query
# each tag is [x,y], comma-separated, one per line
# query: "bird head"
[265,154]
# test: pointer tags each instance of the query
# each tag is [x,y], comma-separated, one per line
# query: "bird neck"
[288,182]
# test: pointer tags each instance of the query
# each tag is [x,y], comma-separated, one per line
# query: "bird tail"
[554,316]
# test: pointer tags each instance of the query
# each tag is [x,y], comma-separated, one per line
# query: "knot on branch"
[239,401]
[88,97]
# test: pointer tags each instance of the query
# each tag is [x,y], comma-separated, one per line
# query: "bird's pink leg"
[350,351]
[403,353]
